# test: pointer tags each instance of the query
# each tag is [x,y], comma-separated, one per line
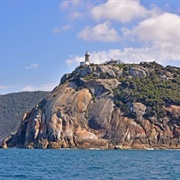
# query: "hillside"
[126,106]
[12,108]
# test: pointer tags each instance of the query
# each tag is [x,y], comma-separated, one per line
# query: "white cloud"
[42,87]
[73,7]
[131,55]
[122,11]
[32,66]
[74,60]
[162,29]
[101,32]
[61,29]
[96,57]
[29,88]
[15,88]
[5,87]
[161,33]
[66,4]
[156,37]
[77,9]
[76,15]
[2,87]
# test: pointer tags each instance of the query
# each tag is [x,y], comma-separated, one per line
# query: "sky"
[41,40]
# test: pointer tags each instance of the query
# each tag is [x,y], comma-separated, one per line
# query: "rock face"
[82,113]
[139,72]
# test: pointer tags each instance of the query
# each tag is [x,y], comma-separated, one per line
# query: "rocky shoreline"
[85,111]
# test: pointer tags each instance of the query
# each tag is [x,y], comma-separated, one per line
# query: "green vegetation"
[13,106]
[151,84]
[153,91]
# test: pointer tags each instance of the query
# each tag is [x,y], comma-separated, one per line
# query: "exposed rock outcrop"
[139,72]
[82,113]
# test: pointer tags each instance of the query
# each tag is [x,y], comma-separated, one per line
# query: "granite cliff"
[125,106]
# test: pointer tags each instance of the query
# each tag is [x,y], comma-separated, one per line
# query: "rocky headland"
[107,106]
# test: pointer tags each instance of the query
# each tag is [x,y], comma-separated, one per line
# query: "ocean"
[38,164]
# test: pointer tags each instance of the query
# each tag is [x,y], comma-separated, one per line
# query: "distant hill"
[12,108]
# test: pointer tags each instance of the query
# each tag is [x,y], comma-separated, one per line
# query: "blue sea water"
[36,164]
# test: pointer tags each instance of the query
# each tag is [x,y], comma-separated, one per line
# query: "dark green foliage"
[152,91]
[157,87]
[13,106]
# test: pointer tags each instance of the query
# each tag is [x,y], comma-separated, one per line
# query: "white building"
[87,59]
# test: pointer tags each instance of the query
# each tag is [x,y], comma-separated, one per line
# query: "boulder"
[139,72]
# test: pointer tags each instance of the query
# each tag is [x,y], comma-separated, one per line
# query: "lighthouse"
[86,61]
[87,55]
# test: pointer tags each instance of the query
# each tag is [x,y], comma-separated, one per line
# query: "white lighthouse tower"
[86,61]
[87,55]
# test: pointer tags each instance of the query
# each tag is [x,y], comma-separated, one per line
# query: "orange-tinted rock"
[81,113]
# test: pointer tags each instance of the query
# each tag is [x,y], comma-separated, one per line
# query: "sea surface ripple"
[38,164]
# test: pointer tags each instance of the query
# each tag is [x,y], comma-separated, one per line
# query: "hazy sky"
[40,40]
